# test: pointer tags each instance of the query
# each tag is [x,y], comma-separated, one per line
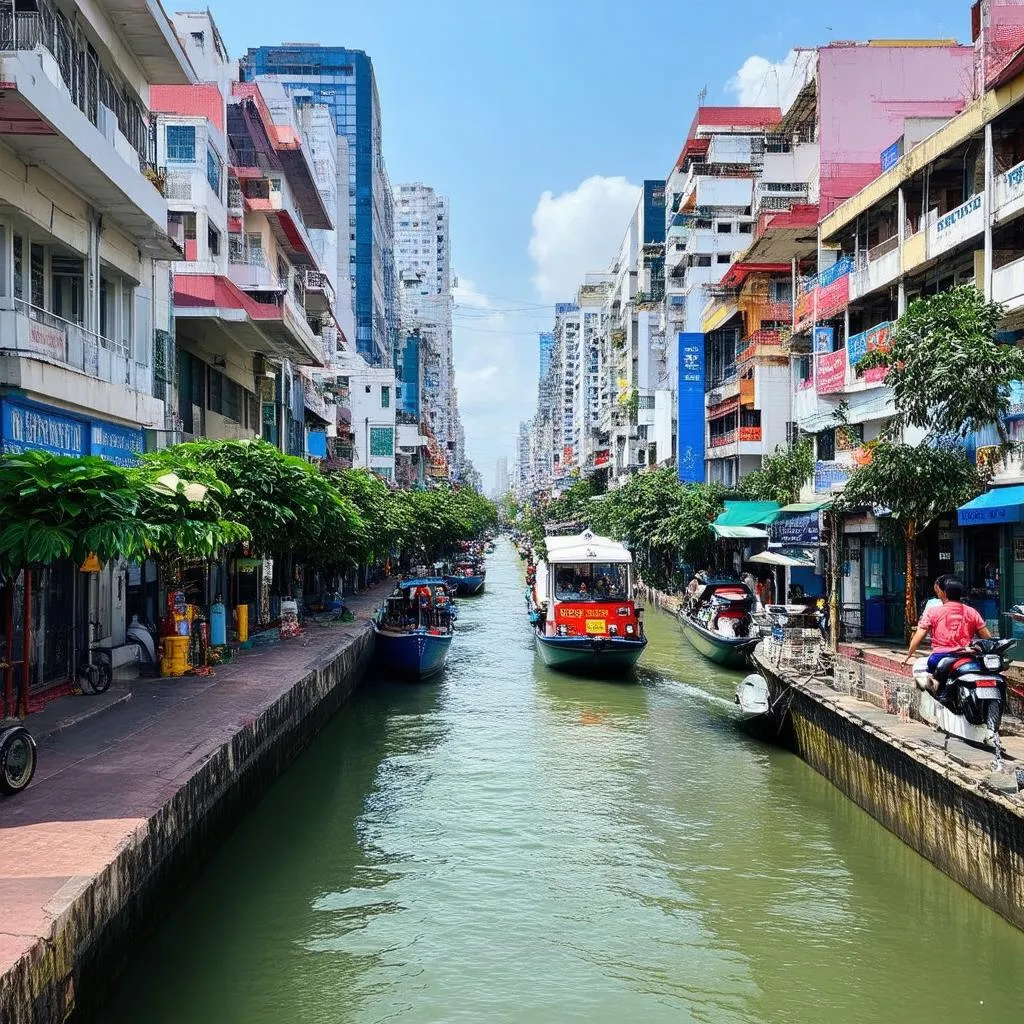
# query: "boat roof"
[585,547]
[423,581]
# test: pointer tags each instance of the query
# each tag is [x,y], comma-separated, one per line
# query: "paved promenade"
[101,777]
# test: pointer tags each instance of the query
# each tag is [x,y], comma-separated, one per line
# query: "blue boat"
[467,577]
[414,628]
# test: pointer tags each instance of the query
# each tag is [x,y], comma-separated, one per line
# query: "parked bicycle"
[94,666]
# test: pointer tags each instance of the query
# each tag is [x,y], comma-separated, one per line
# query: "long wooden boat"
[584,616]
[717,621]
[414,628]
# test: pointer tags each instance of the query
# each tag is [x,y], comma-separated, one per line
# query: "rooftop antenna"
[702,96]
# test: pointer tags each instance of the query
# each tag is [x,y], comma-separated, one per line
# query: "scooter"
[966,694]
[17,756]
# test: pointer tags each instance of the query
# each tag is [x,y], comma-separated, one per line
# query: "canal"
[511,845]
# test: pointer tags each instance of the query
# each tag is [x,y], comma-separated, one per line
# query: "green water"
[511,845]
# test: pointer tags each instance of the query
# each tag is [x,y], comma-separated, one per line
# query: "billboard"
[690,447]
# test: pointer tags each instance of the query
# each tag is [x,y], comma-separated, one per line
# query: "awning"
[748,513]
[1000,505]
[740,532]
[793,557]
[718,317]
[807,506]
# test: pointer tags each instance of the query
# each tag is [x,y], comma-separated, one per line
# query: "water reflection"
[514,844]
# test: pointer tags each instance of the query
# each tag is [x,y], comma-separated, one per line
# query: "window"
[724,228]
[19,283]
[197,38]
[213,240]
[37,266]
[382,442]
[724,257]
[181,144]
[385,396]
[213,169]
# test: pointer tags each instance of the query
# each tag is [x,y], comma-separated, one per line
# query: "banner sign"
[803,528]
[691,408]
[890,155]
[824,338]
[830,372]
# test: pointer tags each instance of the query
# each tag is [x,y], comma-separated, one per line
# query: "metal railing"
[87,82]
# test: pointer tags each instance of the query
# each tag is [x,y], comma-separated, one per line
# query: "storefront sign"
[830,476]
[691,408]
[863,523]
[120,445]
[796,530]
[25,426]
[993,514]
[830,372]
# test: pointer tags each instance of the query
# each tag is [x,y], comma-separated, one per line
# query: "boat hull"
[466,586]
[413,655]
[729,652]
[598,656]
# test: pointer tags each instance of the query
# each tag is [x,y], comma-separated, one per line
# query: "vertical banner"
[690,447]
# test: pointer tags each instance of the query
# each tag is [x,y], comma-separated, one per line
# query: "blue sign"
[120,445]
[832,274]
[824,338]
[891,155]
[26,426]
[994,514]
[857,348]
[828,476]
[691,408]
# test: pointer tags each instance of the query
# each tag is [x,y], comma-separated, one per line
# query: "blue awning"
[1000,505]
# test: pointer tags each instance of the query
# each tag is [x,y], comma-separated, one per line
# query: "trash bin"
[874,616]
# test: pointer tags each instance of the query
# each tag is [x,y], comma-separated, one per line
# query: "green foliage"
[439,519]
[663,521]
[782,473]
[947,371]
[916,483]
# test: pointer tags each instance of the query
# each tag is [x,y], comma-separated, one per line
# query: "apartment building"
[85,345]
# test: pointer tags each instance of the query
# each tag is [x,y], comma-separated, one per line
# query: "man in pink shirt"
[953,625]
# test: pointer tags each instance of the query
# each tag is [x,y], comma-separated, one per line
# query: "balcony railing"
[37,332]
[89,86]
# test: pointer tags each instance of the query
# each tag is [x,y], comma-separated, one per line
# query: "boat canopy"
[586,547]
[423,581]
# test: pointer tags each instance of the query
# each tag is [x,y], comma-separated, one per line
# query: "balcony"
[1008,285]
[1009,194]
[876,268]
[39,339]
[320,297]
[64,112]
[248,269]
[959,225]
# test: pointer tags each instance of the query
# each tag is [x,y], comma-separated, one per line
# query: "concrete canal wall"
[85,933]
[939,795]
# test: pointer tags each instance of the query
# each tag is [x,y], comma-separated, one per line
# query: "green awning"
[740,532]
[807,506]
[748,513]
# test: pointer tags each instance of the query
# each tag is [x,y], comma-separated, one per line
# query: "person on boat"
[953,625]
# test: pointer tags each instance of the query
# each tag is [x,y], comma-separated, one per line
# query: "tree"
[783,473]
[948,371]
[916,484]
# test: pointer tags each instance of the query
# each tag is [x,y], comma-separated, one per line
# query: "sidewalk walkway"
[101,778]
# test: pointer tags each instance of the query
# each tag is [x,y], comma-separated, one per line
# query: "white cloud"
[466,294]
[762,83]
[578,231]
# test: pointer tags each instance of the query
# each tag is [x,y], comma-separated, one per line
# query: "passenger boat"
[467,576]
[585,618]
[718,620]
[414,628]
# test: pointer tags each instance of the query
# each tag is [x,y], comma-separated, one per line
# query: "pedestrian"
[939,590]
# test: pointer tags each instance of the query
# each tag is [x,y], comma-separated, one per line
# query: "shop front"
[60,599]
[795,539]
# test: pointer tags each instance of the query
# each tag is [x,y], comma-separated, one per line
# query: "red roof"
[215,292]
[739,272]
[727,117]
[189,100]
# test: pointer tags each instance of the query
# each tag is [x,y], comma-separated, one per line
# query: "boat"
[584,617]
[467,576]
[414,627]
[753,698]
[718,620]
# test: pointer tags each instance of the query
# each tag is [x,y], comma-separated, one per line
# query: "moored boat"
[467,576]
[717,620]
[585,619]
[414,628]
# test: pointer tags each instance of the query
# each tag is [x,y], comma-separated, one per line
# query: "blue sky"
[497,104]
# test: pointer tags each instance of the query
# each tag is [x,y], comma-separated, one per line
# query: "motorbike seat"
[944,667]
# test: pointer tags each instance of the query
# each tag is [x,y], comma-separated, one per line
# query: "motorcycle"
[966,694]
[17,757]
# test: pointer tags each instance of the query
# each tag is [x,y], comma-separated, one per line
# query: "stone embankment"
[128,805]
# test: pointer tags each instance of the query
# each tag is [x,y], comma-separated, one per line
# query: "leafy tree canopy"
[783,473]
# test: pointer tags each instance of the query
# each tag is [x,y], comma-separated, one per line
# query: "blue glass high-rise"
[343,80]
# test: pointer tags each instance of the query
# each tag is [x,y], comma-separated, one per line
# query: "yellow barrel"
[242,612]
[175,659]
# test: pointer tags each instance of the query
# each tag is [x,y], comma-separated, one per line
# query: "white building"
[86,354]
